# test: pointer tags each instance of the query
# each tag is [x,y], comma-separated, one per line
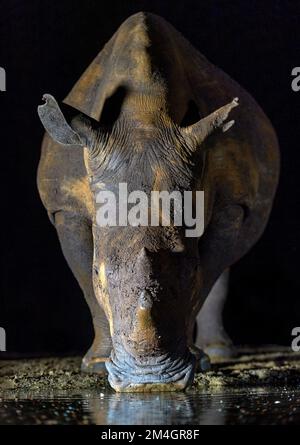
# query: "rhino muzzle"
[166,372]
[140,362]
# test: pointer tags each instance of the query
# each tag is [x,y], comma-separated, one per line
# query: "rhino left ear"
[195,134]
[55,123]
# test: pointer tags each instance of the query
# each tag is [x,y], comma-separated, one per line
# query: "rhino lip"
[167,372]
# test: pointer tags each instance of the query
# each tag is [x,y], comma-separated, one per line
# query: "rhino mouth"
[166,372]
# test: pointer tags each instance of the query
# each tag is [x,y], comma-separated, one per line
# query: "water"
[252,406]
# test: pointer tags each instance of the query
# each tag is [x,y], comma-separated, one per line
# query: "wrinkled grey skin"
[150,283]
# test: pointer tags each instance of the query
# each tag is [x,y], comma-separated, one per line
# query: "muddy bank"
[250,369]
[271,368]
[47,374]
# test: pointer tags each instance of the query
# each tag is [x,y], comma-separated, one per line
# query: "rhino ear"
[195,134]
[55,123]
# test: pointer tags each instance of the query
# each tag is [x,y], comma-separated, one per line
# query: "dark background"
[45,46]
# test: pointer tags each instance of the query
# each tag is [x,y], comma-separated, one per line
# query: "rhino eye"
[96,271]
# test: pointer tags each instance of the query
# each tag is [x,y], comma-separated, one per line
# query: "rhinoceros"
[152,112]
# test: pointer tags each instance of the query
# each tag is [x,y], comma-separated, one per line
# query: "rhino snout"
[127,373]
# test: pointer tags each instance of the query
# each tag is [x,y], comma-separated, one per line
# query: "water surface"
[246,406]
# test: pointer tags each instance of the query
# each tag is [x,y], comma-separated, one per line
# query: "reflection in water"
[255,406]
[152,409]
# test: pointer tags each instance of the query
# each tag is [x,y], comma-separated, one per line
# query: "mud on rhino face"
[149,295]
[147,279]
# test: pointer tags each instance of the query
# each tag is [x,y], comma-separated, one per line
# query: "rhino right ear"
[199,131]
[55,123]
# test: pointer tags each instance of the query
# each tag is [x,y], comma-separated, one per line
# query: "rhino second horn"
[144,327]
[145,301]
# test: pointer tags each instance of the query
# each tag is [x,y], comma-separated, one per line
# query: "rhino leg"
[77,244]
[211,336]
